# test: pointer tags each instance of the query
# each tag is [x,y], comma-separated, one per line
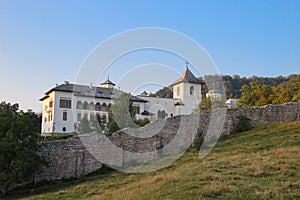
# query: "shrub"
[243,124]
[197,143]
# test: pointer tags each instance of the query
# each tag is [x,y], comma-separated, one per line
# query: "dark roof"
[146,112]
[88,91]
[108,82]
[187,76]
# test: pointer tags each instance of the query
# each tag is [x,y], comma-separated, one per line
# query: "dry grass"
[262,163]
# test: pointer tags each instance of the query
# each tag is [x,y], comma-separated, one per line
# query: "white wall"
[190,101]
[57,113]
[155,104]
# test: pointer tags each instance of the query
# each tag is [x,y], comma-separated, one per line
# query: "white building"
[231,103]
[214,94]
[66,104]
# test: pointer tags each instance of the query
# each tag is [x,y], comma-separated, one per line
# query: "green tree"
[123,112]
[280,95]
[111,125]
[204,105]
[84,126]
[19,159]
[141,122]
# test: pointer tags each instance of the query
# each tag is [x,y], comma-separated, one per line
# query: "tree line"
[232,84]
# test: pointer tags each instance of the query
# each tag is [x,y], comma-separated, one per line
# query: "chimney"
[91,86]
[66,82]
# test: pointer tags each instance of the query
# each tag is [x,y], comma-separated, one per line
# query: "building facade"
[66,104]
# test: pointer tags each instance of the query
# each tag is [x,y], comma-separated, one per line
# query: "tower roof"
[107,82]
[188,77]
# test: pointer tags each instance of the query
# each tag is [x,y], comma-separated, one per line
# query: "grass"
[262,163]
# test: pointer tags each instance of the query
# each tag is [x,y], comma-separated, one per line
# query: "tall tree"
[19,159]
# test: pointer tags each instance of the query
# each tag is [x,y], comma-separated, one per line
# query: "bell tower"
[186,92]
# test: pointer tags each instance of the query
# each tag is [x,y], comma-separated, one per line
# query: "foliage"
[204,105]
[84,126]
[19,160]
[198,140]
[257,94]
[243,124]
[166,92]
[122,111]
[111,125]
[141,122]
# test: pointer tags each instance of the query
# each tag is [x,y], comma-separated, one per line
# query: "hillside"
[232,84]
[262,163]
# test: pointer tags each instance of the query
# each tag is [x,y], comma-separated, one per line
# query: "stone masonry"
[70,158]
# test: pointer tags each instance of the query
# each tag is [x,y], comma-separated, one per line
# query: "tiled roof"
[187,76]
[88,91]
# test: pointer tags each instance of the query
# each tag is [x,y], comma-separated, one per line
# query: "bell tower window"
[192,90]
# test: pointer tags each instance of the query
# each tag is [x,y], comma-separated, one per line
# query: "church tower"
[186,92]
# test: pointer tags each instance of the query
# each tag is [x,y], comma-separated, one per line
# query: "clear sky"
[45,42]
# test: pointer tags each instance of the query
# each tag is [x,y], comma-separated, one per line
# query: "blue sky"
[45,42]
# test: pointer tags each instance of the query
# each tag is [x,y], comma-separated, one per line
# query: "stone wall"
[70,158]
[66,158]
[287,112]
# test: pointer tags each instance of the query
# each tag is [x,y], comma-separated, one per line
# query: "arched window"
[104,107]
[192,90]
[79,105]
[64,129]
[85,105]
[91,106]
[98,107]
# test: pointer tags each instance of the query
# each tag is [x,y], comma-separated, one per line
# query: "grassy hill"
[262,163]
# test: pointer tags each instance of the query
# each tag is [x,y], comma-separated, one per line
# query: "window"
[79,105]
[51,104]
[178,91]
[104,107]
[65,115]
[136,109]
[64,129]
[64,103]
[78,116]
[192,90]
[98,107]
[92,117]
[85,116]
[85,105]
[46,107]
[91,106]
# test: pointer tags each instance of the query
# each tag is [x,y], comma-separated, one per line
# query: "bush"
[141,122]
[197,143]
[243,124]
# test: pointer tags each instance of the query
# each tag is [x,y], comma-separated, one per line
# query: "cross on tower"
[187,64]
